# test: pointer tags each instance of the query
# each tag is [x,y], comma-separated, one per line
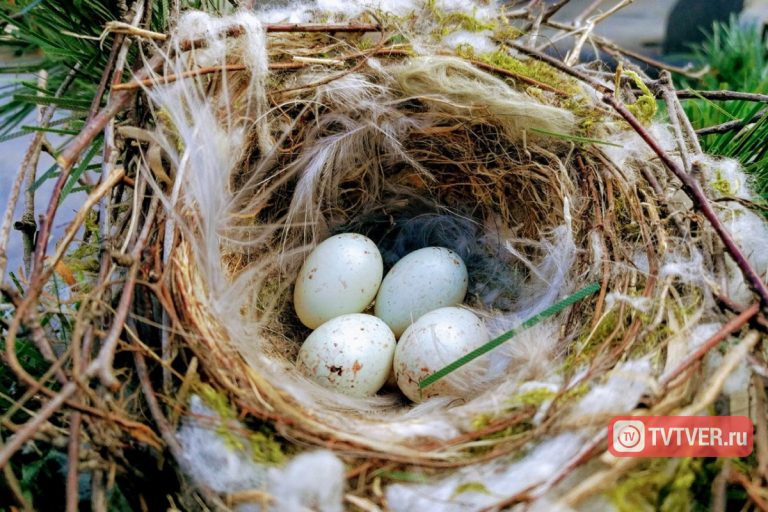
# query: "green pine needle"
[484,349]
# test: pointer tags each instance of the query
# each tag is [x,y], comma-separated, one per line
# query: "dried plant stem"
[729,328]
[674,118]
[761,426]
[731,360]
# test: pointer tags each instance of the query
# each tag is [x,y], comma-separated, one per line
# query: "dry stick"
[117,43]
[166,429]
[674,117]
[731,125]
[73,458]
[729,328]
[722,95]
[761,426]
[109,345]
[27,224]
[673,101]
[607,44]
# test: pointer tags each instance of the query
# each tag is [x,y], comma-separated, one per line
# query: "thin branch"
[722,95]
[672,100]
[73,459]
[731,125]
[107,353]
[729,328]
[167,431]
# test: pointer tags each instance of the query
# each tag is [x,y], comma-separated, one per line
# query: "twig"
[754,491]
[73,458]
[729,328]
[673,100]
[607,44]
[731,125]
[13,486]
[166,430]
[579,19]
[117,43]
[107,353]
[675,114]
[732,359]
[722,95]
[761,426]
[27,224]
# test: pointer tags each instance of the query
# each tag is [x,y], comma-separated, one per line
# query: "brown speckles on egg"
[351,354]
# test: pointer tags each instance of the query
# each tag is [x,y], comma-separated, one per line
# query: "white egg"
[424,280]
[341,275]
[350,353]
[432,342]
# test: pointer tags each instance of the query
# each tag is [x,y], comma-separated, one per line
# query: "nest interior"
[319,134]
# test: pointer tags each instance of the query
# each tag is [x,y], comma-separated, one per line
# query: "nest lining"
[269,164]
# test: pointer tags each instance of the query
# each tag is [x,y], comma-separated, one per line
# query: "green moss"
[535,397]
[645,107]
[721,184]
[662,485]
[533,69]
[448,22]
[588,341]
[477,487]
[672,485]
[262,444]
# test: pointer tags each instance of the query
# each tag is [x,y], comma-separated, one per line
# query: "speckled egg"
[350,353]
[341,275]
[432,342]
[424,280]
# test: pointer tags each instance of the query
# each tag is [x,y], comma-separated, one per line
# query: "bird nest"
[263,140]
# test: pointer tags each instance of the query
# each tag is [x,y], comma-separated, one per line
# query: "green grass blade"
[484,349]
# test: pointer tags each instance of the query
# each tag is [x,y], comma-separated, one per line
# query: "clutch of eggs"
[352,352]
